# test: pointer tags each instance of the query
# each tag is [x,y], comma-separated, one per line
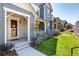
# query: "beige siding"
[26,6]
[23,27]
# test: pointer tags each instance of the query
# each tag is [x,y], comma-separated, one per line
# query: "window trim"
[44,11]
[48,13]
[43,28]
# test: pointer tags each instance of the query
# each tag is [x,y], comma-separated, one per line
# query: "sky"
[66,11]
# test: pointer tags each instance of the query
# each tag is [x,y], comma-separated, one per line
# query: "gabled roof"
[39,4]
[47,4]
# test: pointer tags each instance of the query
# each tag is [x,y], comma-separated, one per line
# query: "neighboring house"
[17,21]
[43,25]
[60,25]
[67,25]
[76,29]
[56,23]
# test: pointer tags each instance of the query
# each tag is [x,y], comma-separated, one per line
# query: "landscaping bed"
[7,50]
[8,53]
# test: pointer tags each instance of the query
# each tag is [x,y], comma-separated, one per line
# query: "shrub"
[6,50]
[5,47]
[56,33]
[62,30]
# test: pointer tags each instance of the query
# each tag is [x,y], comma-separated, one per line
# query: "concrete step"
[21,46]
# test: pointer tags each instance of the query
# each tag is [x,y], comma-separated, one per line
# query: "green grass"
[65,43]
[48,47]
[60,45]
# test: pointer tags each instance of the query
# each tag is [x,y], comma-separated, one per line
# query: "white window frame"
[44,11]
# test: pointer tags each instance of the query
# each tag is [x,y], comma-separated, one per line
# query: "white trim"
[44,17]
[5,28]
[45,26]
[44,12]
[10,15]
[7,9]
[9,26]
[28,31]
[39,12]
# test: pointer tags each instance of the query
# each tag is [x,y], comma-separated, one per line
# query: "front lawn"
[60,45]
[65,43]
[48,47]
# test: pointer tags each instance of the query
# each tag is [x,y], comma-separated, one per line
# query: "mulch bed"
[33,45]
[7,50]
[8,53]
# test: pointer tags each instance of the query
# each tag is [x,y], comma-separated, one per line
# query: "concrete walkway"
[23,48]
[29,51]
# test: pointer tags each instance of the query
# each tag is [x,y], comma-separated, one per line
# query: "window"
[54,20]
[55,26]
[42,12]
[50,24]
[48,13]
[41,26]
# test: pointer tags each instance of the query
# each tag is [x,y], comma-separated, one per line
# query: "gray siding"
[2,39]
[46,14]
[42,12]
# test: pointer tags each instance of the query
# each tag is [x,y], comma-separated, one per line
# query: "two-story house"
[43,25]
[44,14]
[56,23]
[17,21]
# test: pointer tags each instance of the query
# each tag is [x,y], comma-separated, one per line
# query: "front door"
[13,28]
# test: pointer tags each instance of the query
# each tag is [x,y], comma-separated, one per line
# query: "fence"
[72,50]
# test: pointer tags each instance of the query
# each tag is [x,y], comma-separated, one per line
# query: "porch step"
[21,46]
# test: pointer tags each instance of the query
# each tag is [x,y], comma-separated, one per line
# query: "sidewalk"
[29,51]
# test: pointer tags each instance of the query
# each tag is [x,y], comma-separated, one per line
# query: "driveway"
[29,51]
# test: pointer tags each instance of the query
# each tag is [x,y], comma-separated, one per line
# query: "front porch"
[17,28]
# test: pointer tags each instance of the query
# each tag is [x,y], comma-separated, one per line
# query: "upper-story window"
[50,24]
[48,13]
[42,12]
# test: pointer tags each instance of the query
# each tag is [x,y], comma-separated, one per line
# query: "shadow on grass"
[48,46]
[54,45]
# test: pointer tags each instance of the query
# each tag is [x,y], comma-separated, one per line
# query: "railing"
[73,49]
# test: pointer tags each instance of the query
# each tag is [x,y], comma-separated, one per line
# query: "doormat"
[14,39]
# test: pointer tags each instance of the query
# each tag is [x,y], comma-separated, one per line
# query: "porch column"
[45,26]
[29,30]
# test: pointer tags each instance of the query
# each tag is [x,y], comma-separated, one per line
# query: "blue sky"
[66,11]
